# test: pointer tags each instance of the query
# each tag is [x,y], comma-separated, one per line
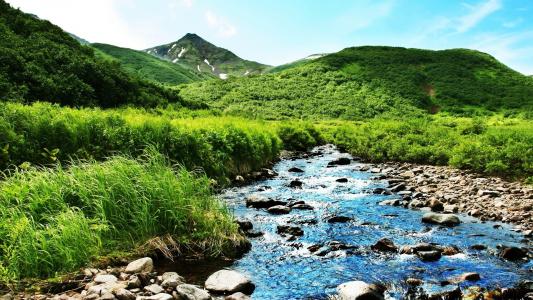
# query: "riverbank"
[440,188]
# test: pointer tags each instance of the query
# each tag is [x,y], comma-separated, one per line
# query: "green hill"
[150,67]
[370,81]
[41,62]
[198,54]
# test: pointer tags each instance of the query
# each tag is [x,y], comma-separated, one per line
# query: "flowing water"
[283,269]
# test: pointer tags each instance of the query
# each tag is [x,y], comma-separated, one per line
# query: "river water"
[283,269]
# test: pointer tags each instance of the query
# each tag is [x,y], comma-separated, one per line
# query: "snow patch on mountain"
[247,72]
[198,67]
[314,56]
[207,62]
[223,76]
[183,50]
[175,60]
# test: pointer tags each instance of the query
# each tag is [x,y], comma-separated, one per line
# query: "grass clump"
[56,220]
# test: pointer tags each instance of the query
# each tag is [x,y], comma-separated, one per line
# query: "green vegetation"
[358,83]
[194,50]
[496,146]
[149,67]
[40,62]
[58,220]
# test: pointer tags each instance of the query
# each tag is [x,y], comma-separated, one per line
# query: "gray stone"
[441,219]
[142,265]
[229,281]
[154,289]
[191,292]
[279,210]
[359,290]
[237,296]
[104,278]
[124,294]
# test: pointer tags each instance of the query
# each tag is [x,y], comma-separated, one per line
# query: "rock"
[104,288]
[124,294]
[191,292]
[342,180]
[279,209]
[154,289]
[512,253]
[292,230]
[436,205]
[339,219]
[134,282]
[433,255]
[295,170]
[359,290]
[268,173]
[253,234]
[441,219]
[470,277]
[341,161]
[244,225]
[229,281]
[451,208]
[390,202]
[257,201]
[398,188]
[105,278]
[384,245]
[160,296]
[296,184]
[142,265]
[302,206]
[450,250]
[106,296]
[414,281]
[239,179]
[491,194]
[478,247]
[237,296]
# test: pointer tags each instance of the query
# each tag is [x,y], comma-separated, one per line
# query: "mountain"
[295,63]
[198,54]
[79,39]
[41,62]
[371,81]
[150,67]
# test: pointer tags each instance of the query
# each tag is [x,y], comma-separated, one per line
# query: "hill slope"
[198,54]
[149,67]
[369,81]
[41,62]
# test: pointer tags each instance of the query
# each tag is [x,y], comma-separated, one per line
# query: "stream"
[283,268]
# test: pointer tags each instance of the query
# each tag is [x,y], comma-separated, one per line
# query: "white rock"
[228,281]
[191,292]
[142,265]
[358,290]
[104,278]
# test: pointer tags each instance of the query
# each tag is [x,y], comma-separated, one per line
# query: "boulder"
[105,278]
[339,219]
[292,230]
[433,255]
[229,281]
[296,170]
[359,290]
[154,288]
[303,206]
[142,265]
[296,184]
[244,225]
[384,245]
[512,253]
[341,161]
[124,294]
[342,180]
[472,276]
[160,296]
[257,201]
[191,292]
[441,219]
[279,209]
[237,296]
[436,205]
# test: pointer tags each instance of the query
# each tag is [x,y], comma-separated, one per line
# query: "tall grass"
[56,220]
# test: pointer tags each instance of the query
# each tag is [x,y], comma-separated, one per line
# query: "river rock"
[105,278]
[124,294]
[342,180]
[245,225]
[154,288]
[295,170]
[257,201]
[253,234]
[359,290]
[160,296]
[436,205]
[134,282]
[341,161]
[384,245]
[229,281]
[433,255]
[142,265]
[279,209]
[414,281]
[472,276]
[296,184]
[192,292]
[303,206]
[292,230]
[512,253]
[339,219]
[237,296]
[441,219]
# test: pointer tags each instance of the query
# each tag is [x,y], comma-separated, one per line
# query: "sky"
[280,31]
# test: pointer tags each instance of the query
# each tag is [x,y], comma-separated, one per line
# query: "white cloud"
[187,3]
[95,20]
[477,14]
[221,25]
[513,23]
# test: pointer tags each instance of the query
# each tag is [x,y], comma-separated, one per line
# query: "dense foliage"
[150,67]
[363,82]
[40,62]
[191,51]
[58,220]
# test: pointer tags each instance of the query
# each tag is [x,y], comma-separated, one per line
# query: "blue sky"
[280,31]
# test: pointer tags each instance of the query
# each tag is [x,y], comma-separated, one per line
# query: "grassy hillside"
[40,62]
[149,67]
[191,51]
[370,81]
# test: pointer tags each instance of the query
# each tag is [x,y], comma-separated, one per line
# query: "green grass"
[57,220]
